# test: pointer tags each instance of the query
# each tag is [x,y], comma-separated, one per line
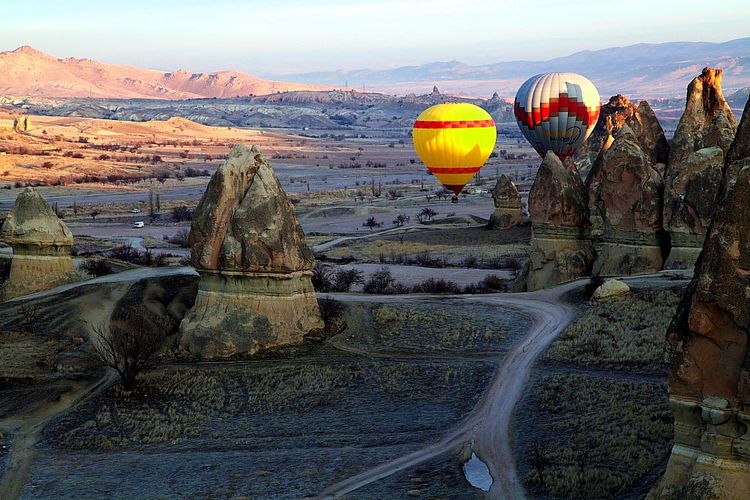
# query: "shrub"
[127,348]
[330,310]
[180,238]
[344,279]
[322,277]
[433,285]
[380,282]
[182,213]
[96,267]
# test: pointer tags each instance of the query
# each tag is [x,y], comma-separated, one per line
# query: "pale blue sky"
[286,36]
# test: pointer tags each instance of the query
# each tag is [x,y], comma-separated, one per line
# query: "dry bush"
[127,346]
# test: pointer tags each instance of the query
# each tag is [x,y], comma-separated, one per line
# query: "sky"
[277,37]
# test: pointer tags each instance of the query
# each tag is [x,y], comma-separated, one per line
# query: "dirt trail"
[488,426]
[26,430]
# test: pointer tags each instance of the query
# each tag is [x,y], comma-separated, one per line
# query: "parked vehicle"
[139,224]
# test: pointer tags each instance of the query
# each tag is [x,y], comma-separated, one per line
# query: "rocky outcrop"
[708,350]
[641,119]
[41,245]
[702,138]
[561,248]
[625,197]
[508,212]
[255,290]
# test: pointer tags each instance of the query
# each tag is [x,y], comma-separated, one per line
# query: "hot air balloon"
[454,140]
[557,112]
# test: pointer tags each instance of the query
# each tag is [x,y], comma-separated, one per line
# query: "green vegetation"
[599,435]
[625,333]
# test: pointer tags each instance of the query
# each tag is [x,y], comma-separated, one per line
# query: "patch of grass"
[310,403]
[420,328]
[625,333]
[596,436]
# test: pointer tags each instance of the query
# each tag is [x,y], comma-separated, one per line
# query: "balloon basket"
[454,199]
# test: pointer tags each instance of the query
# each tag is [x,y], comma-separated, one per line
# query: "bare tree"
[126,347]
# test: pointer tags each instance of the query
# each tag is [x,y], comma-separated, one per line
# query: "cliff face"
[625,197]
[702,138]
[561,249]
[708,350]
[255,290]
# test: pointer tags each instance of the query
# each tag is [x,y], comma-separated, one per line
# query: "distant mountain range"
[642,70]
[29,72]
[638,71]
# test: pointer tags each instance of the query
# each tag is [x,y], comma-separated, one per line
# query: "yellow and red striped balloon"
[557,112]
[454,141]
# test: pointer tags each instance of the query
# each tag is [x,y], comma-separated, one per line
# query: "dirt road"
[488,427]
[26,430]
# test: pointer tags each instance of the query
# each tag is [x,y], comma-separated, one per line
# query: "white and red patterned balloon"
[557,112]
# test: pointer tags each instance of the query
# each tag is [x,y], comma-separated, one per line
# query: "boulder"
[625,199]
[610,288]
[561,248]
[41,245]
[508,212]
[702,138]
[255,290]
[708,350]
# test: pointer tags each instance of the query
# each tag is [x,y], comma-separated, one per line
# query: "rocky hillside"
[29,72]
[316,110]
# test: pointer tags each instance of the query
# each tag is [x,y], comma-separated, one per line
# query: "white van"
[138,224]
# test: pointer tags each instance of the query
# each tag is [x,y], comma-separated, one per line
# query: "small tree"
[127,348]
[322,277]
[400,220]
[330,310]
[380,281]
[94,213]
[371,223]
[344,279]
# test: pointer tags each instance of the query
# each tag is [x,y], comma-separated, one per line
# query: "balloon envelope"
[454,141]
[557,112]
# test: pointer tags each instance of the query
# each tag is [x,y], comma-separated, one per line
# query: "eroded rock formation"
[255,290]
[41,245]
[508,212]
[617,113]
[702,138]
[561,248]
[708,350]
[625,197]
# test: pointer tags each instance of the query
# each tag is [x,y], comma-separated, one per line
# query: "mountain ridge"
[642,70]
[30,72]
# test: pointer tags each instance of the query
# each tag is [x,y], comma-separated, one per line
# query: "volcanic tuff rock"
[708,350]
[616,114]
[41,245]
[507,204]
[707,120]
[703,136]
[625,197]
[561,248]
[255,290]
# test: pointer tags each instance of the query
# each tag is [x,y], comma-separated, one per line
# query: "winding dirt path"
[488,427]
[26,431]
